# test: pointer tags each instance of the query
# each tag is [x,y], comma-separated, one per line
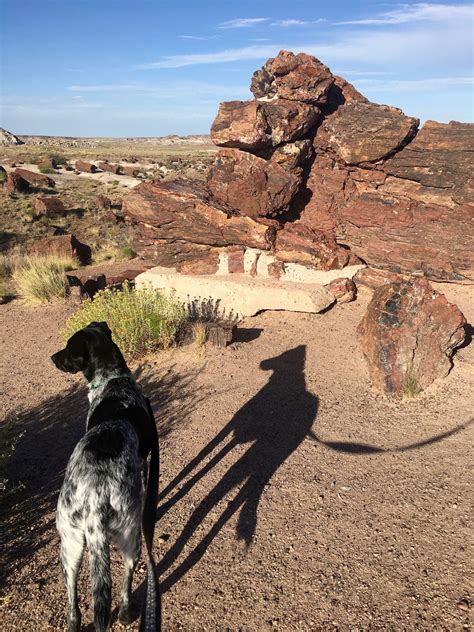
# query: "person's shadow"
[274,422]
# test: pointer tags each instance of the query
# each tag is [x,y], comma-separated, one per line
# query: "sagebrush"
[43,279]
[141,320]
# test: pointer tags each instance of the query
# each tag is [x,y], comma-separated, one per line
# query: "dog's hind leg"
[72,548]
[129,546]
[99,562]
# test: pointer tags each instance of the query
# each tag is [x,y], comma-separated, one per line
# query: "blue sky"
[156,67]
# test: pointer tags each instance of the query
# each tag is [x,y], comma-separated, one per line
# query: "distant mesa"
[7,138]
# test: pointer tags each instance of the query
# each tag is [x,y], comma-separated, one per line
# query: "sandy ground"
[293,496]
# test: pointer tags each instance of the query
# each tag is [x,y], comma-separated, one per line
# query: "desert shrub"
[412,387]
[3,177]
[128,252]
[141,320]
[199,332]
[47,170]
[43,279]
[58,159]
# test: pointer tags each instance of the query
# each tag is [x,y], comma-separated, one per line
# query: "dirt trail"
[296,510]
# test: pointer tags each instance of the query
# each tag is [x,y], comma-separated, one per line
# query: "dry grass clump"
[141,320]
[43,279]
[411,388]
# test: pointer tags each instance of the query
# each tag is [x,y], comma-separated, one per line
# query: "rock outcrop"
[347,180]
[408,335]
[7,138]
[62,245]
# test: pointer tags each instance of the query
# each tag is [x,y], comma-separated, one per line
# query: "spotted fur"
[105,497]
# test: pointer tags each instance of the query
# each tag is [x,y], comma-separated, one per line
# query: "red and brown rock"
[343,290]
[16,184]
[253,186]
[259,124]
[292,156]
[179,211]
[299,77]
[109,167]
[408,335]
[297,243]
[49,206]
[373,278]
[184,256]
[130,171]
[276,269]
[85,167]
[235,260]
[437,167]
[62,245]
[365,132]
[36,179]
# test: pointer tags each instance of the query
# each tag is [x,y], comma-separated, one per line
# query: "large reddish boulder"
[299,77]
[253,186]
[408,335]
[365,132]
[259,124]
[49,206]
[297,243]
[110,167]
[16,184]
[128,170]
[36,179]
[61,246]
[180,211]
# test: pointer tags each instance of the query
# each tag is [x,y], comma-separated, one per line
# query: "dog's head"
[90,350]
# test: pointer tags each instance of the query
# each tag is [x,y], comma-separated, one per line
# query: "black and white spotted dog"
[105,495]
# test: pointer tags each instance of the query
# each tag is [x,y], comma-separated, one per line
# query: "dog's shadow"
[43,439]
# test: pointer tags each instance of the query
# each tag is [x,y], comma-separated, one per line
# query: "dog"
[106,495]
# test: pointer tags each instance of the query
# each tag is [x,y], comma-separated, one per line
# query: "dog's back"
[101,500]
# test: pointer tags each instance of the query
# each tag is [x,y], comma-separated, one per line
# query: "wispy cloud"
[292,22]
[410,85]
[199,37]
[419,12]
[219,57]
[240,23]
[166,90]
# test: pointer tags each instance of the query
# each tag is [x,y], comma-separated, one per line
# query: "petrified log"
[36,179]
[179,211]
[130,171]
[252,185]
[103,202]
[408,335]
[111,168]
[85,167]
[299,77]
[344,290]
[259,124]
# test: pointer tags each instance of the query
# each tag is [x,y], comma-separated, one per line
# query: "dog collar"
[99,382]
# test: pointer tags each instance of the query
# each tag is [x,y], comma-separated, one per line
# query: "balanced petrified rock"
[257,124]
[16,184]
[179,211]
[36,179]
[292,156]
[85,167]
[366,132]
[49,206]
[408,335]
[62,245]
[108,166]
[299,77]
[373,278]
[252,185]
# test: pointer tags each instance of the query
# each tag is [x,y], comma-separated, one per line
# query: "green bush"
[43,279]
[141,320]
[58,159]
[128,252]
[47,170]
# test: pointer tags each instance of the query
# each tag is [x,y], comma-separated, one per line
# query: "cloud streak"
[242,23]
[419,12]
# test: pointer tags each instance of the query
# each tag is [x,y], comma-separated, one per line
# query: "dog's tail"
[99,561]
[151,615]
